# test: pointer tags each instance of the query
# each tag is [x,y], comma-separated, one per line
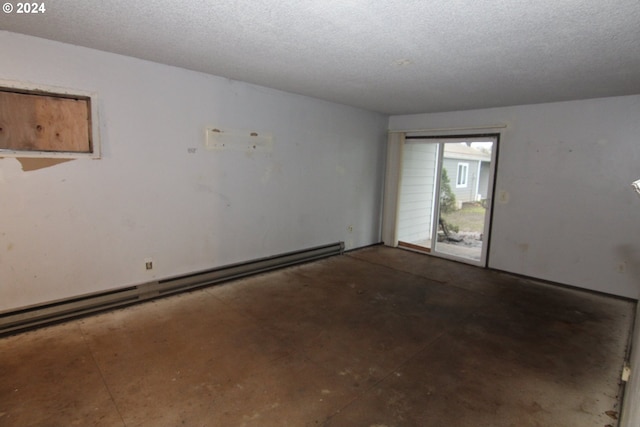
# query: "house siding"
[467,193]
[416,191]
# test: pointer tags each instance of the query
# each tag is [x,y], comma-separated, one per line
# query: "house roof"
[463,152]
[394,56]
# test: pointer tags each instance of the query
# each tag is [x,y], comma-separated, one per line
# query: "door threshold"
[414,247]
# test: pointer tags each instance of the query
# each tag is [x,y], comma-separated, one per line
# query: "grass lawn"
[470,218]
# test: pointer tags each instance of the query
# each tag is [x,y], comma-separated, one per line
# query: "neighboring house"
[468,171]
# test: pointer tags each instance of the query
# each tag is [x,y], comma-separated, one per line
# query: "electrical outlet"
[148,263]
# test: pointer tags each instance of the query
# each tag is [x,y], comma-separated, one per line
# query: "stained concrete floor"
[378,337]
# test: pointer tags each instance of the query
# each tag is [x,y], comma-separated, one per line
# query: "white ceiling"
[395,56]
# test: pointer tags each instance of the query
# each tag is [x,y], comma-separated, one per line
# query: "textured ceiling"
[395,57]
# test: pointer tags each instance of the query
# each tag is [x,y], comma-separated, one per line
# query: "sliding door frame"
[393,182]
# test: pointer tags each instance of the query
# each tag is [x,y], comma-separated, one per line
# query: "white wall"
[87,225]
[567,211]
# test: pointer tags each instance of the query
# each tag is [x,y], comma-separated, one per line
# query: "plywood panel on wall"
[44,122]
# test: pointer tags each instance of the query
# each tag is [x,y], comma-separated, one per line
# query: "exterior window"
[463,175]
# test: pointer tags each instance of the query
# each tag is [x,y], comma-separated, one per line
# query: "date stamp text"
[24,8]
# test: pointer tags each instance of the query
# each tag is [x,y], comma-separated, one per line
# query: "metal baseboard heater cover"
[42,314]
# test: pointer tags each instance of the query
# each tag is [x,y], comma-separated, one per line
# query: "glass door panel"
[445,196]
[465,195]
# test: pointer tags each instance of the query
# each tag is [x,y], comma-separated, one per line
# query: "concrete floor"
[378,337]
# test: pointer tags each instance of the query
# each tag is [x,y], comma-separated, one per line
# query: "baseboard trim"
[18,320]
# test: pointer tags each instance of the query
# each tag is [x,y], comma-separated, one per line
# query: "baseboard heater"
[13,321]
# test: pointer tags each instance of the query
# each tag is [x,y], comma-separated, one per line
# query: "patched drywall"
[565,210]
[33,163]
[158,193]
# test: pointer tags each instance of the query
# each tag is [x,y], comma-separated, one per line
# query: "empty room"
[320,213]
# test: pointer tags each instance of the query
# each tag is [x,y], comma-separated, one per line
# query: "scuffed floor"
[378,337]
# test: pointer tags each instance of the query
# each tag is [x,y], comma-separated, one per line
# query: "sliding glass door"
[444,201]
